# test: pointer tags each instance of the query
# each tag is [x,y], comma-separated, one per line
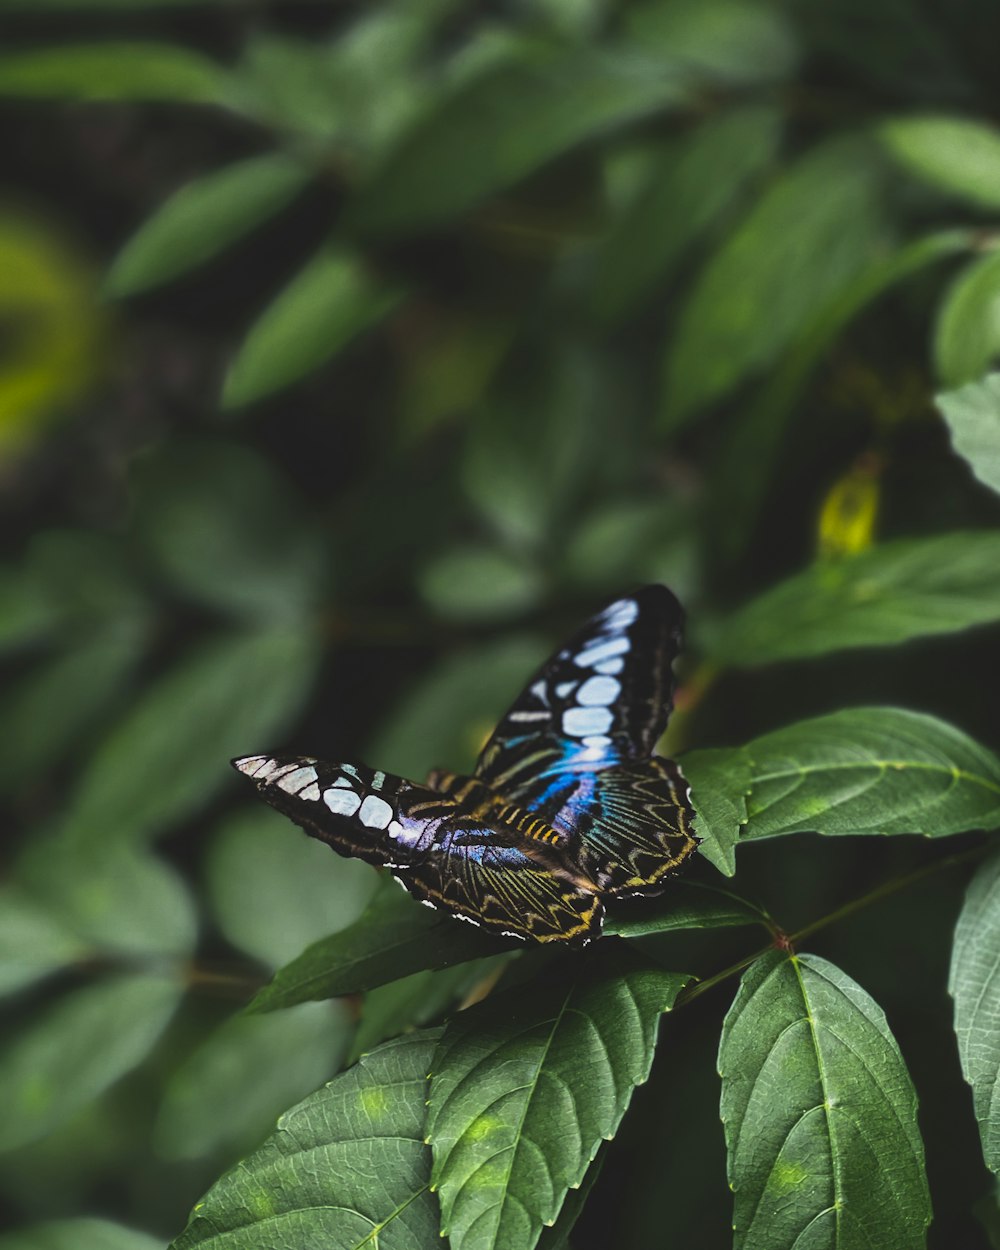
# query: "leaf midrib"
[957,774]
[821,1073]
[531,1086]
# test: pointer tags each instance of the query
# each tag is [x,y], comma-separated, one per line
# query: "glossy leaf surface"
[526,1086]
[910,588]
[820,1115]
[973,416]
[348,1167]
[871,770]
[974,985]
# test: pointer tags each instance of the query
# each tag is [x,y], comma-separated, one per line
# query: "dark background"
[422,499]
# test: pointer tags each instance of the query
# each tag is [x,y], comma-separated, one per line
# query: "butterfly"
[567,806]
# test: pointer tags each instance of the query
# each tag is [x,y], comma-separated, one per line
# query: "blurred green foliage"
[425,326]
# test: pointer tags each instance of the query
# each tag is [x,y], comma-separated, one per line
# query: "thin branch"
[791,941]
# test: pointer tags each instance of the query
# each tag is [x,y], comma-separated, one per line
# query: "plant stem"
[848,909]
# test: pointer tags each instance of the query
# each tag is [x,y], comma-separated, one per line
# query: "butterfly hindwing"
[439,848]
[506,886]
[633,823]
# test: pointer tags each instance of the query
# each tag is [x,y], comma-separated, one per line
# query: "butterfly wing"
[575,747]
[633,822]
[360,812]
[436,847]
[507,885]
[601,699]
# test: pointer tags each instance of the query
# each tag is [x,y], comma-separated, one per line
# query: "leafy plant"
[425,327]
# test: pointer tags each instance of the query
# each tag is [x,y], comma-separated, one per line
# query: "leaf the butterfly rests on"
[566,807]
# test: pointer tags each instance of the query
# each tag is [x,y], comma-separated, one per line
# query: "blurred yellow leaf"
[847,517]
[51,326]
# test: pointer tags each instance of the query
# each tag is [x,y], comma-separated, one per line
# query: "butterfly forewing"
[575,747]
[359,811]
[602,699]
[439,848]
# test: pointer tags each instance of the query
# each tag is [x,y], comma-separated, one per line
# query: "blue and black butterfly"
[567,806]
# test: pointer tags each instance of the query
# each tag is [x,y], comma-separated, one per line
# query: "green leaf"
[228,1093]
[684,905]
[85,1233]
[539,443]
[472,583]
[394,937]
[500,127]
[557,1236]
[910,588]
[51,709]
[720,781]
[967,333]
[691,186]
[526,1085]
[820,1114]
[414,1000]
[274,891]
[733,42]
[330,301]
[959,155]
[77,1048]
[871,770]
[34,941]
[170,753]
[115,898]
[228,531]
[112,71]
[348,1167]
[973,416]
[810,235]
[28,612]
[973,984]
[204,217]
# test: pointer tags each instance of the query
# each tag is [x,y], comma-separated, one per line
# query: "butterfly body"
[567,805]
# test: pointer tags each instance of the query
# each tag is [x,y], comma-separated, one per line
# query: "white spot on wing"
[249,764]
[342,802]
[622,614]
[375,812]
[565,688]
[310,792]
[582,722]
[603,650]
[598,691]
[378,781]
[597,742]
[342,781]
[297,780]
[609,666]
